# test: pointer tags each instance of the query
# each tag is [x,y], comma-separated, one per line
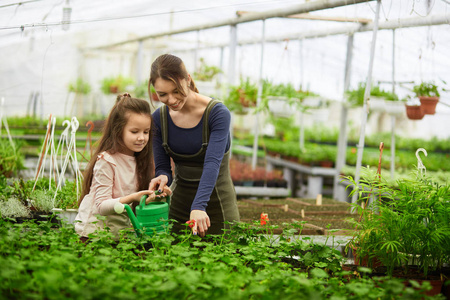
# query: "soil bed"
[331,215]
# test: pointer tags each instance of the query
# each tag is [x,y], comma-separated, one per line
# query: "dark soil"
[331,215]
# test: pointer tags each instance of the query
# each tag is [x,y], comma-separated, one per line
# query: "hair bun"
[121,97]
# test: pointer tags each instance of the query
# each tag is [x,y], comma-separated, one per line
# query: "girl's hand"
[202,222]
[159,183]
[136,197]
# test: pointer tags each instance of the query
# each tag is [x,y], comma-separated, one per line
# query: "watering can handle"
[143,198]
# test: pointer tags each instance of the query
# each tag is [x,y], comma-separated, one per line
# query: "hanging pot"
[414,112]
[428,104]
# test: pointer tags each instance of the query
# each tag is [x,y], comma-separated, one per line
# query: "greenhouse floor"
[330,217]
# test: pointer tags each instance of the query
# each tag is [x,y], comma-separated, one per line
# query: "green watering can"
[149,218]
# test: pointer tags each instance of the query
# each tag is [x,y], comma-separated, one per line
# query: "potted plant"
[206,72]
[115,85]
[66,202]
[242,96]
[80,87]
[405,228]
[275,179]
[20,200]
[414,111]
[428,93]
[282,100]
[13,208]
[205,78]
[380,100]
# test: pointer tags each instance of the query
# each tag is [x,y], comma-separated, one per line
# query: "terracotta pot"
[437,285]
[414,112]
[326,164]
[428,104]
[364,261]
[113,89]
[155,97]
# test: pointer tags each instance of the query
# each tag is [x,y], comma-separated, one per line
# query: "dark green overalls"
[222,205]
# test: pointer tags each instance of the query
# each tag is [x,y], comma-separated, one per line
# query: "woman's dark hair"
[170,67]
[112,141]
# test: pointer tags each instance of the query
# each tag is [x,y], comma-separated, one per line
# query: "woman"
[193,130]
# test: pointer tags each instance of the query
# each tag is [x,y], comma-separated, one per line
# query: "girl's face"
[136,133]
[169,94]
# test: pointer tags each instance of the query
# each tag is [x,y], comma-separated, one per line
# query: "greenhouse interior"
[322,171]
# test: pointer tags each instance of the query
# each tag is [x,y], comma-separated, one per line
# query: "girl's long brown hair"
[112,142]
[170,67]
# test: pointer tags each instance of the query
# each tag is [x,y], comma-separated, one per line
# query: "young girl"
[120,169]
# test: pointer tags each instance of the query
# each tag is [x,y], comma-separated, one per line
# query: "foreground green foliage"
[42,262]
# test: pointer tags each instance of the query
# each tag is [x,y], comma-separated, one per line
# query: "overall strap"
[205,129]
[164,128]
[205,132]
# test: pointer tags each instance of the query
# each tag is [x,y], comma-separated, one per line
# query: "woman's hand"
[202,222]
[166,192]
[159,183]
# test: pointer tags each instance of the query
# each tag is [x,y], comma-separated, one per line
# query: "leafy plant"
[11,159]
[206,72]
[42,200]
[410,223]
[241,171]
[25,121]
[114,85]
[242,96]
[286,90]
[39,261]
[13,208]
[80,87]
[356,97]
[426,89]
[141,91]
[67,197]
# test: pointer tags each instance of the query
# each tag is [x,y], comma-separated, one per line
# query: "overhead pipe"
[250,17]
[353,28]
[349,29]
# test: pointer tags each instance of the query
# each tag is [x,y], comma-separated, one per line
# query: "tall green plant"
[403,226]
[11,159]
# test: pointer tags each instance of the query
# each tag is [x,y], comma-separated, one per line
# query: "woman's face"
[136,133]
[169,94]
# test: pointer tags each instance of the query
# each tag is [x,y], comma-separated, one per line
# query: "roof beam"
[257,16]
[353,28]
[347,29]
[307,16]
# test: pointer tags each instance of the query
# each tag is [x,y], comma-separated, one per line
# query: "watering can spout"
[119,207]
[133,219]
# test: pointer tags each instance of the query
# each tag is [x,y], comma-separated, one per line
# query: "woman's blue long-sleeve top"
[189,141]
